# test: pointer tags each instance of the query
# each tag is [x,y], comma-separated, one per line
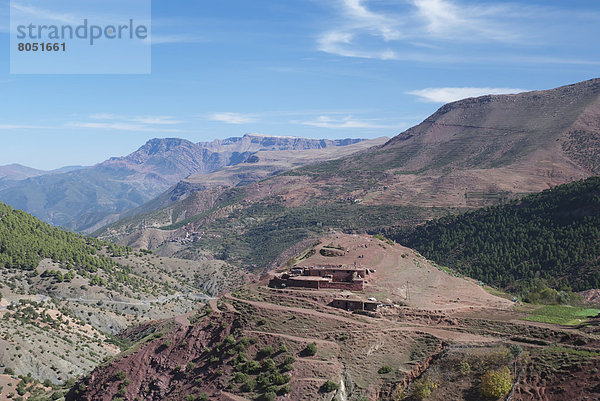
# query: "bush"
[203,397]
[269,396]
[422,388]
[268,365]
[464,368]
[229,340]
[311,349]
[266,351]
[283,390]
[496,383]
[249,386]
[329,386]
[120,375]
[9,371]
[240,377]
[385,369]
[288,360]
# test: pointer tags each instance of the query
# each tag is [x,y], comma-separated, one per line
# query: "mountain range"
[471,153]
[88,198]
[192,293]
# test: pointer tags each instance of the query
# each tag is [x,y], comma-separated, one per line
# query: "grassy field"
[565,315]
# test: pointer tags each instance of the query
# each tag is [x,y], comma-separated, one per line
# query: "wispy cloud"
[447,95]
[233,118]
[6,127]
[162,39]
[428,30]
[127,123]
[36,12]
[151,120]
[346,122]
[119,126]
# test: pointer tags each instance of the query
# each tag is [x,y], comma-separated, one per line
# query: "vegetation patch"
[559,314]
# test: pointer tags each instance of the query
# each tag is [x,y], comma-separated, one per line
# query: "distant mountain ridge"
[87,199]
[470,153]
[17,172]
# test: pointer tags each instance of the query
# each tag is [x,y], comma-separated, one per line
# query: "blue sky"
[315,68]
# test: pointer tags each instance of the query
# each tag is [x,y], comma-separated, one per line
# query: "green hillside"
[25,241]
[553,236]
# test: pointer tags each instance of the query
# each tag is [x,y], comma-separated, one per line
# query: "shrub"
[190,397]
[311,349]
[269,396]
[203,397]
[288,360]
[9,371]
[268,365]
[496,383]
[385,369]
[282,348]
[120,375]
[249,386]
[283,390]
[266,351]
[261,322]
[240,377]
[229,340]
[464,368]
[422,388]
[329,386]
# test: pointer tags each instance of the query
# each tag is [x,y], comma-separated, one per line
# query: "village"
[331,277]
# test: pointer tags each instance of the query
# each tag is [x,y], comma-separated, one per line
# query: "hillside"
[443,339]
[87,199]
[553,236]
[64,297]
[471,153]
[261,165]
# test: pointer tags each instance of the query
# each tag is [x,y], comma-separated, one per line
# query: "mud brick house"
[354,304]
[324,277]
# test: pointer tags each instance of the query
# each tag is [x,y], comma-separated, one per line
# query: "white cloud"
[22,126]
[347,122]
[127,123]
[162,39]
[447,95]
[119,126]
[430,30]
[233,118]
[36,12]
[150,120]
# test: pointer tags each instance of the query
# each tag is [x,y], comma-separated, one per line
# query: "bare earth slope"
[256,340]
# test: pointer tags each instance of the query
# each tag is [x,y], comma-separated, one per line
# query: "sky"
[310,68]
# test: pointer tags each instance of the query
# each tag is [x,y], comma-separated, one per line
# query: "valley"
[458,260]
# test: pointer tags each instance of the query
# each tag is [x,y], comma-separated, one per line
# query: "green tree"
[496,383]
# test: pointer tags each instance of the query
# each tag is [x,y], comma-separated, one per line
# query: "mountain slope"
[432,331]
[63,297]
[18,172]
[553,235]
[261,165]
[470,153]
[87,199]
